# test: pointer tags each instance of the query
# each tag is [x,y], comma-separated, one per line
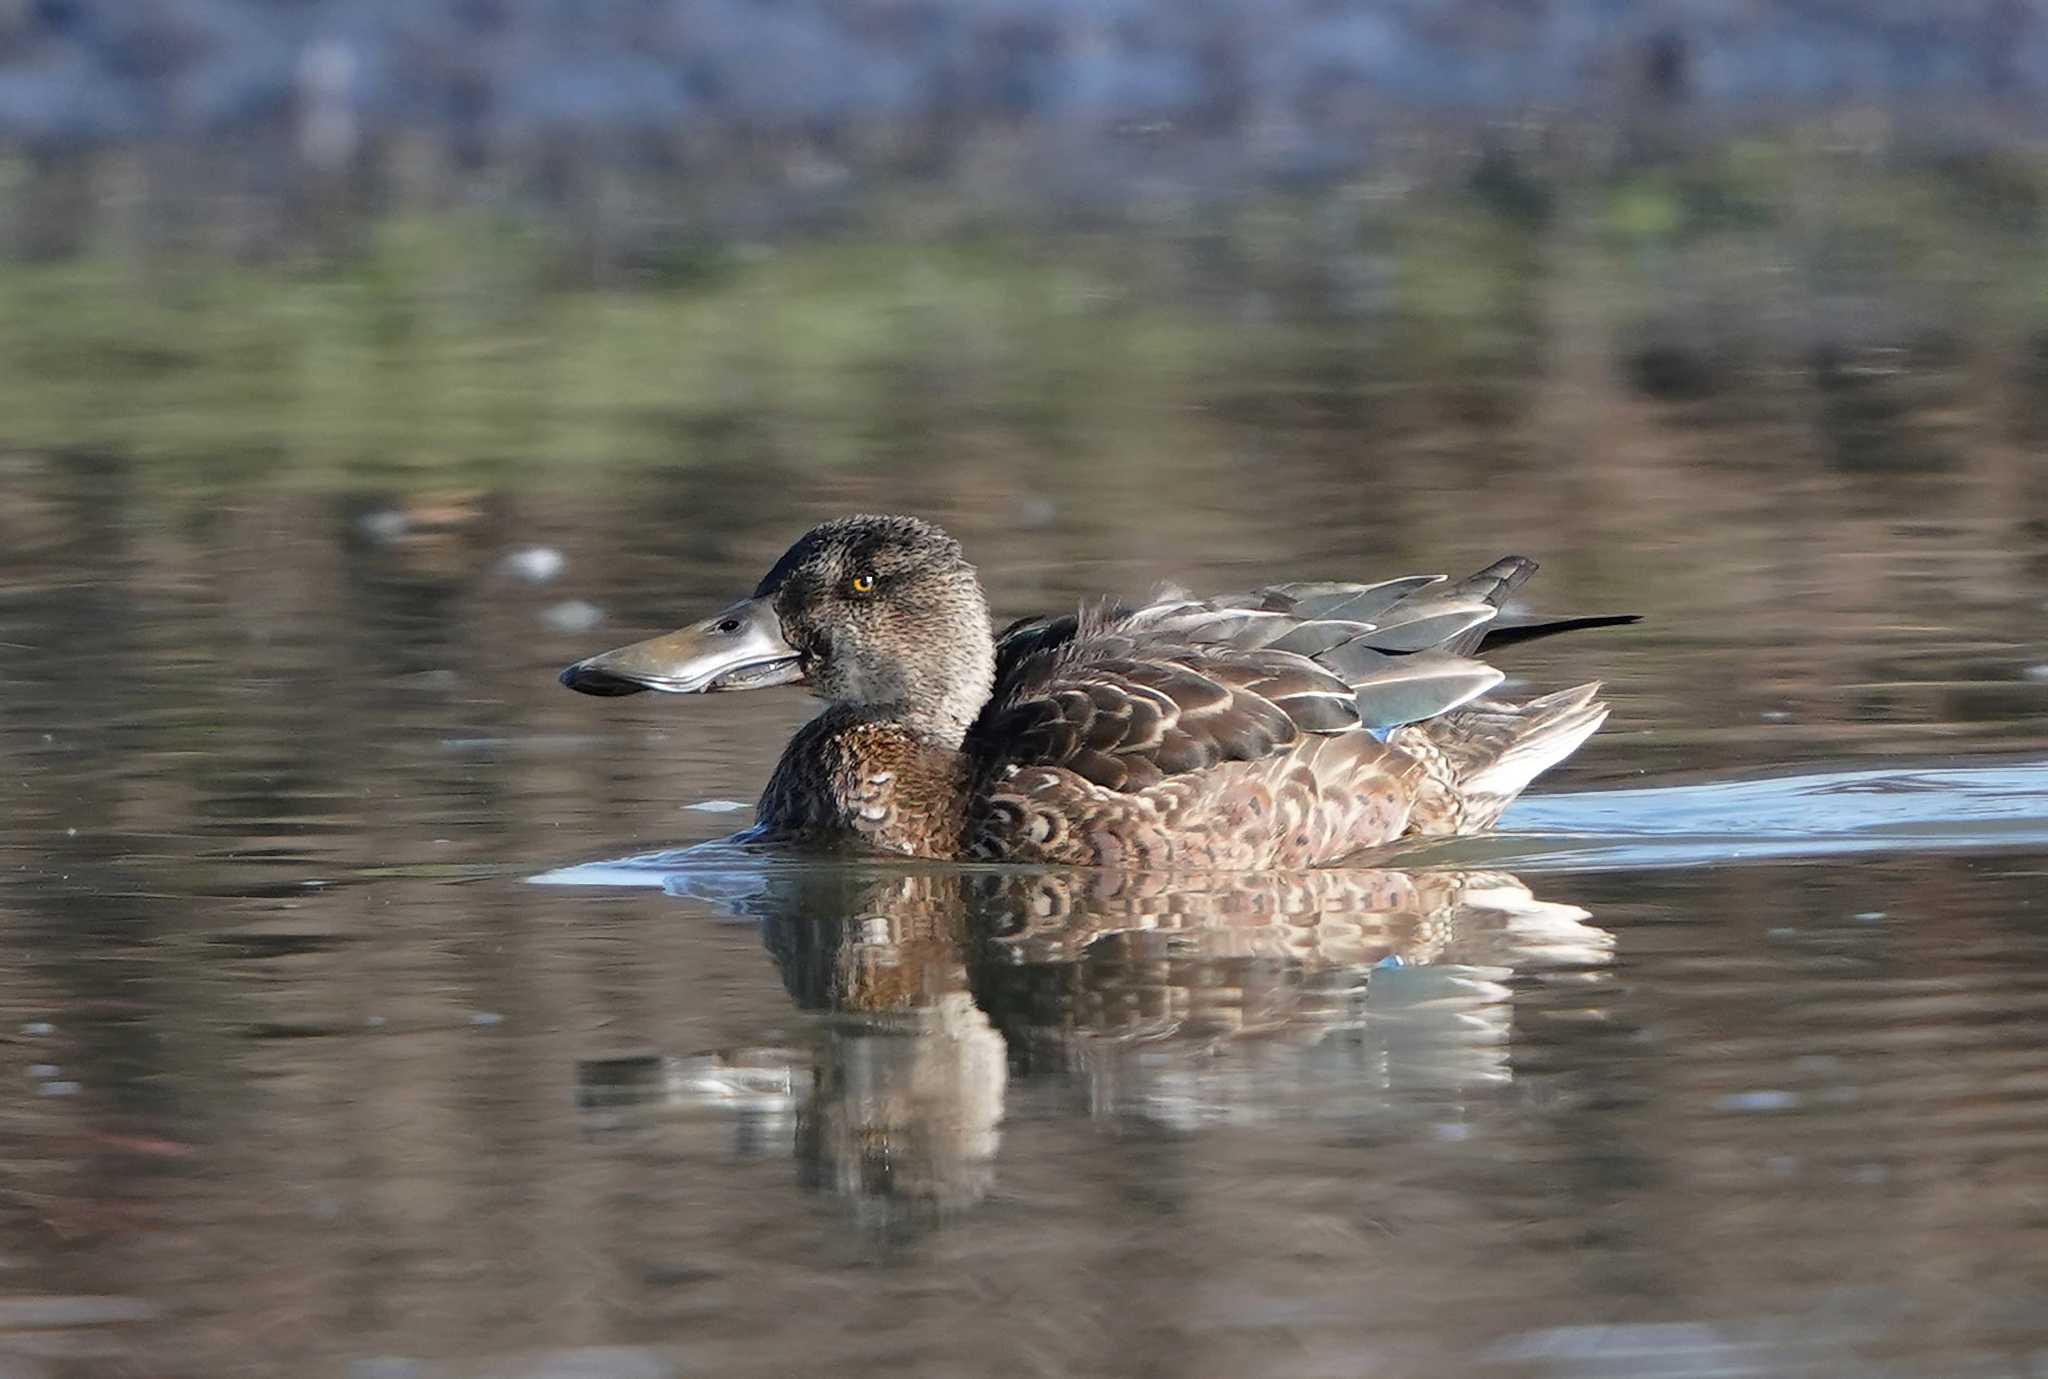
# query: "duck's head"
[879,613]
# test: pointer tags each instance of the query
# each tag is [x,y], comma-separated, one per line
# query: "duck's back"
[1288,726]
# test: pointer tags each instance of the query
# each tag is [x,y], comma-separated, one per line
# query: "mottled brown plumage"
[1289,726]
[847,779]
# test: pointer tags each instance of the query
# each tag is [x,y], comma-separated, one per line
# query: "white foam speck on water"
[573,615]
[1770,1099]
[535,564]
[385,524]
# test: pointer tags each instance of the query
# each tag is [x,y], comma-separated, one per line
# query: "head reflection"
[1174,1000]
[906,1087]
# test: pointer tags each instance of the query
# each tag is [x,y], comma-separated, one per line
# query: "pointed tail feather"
[1494,583]
[1550,729]
[1512,628]
[1478,758]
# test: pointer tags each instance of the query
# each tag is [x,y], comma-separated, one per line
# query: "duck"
[1289,726]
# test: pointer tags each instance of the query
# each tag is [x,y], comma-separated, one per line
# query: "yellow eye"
[862,584]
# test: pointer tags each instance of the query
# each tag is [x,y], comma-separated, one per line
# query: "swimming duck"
[1289,726]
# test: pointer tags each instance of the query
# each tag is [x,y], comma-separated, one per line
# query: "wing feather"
[1128,697]
[1419,624]
[1125,722]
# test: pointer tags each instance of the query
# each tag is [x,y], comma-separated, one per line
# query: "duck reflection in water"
[1170,1001]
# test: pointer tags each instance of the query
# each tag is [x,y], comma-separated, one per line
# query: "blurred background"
[362,362]
[352,241]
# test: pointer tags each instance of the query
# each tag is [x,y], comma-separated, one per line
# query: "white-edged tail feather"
[1556,726]
[1478,758]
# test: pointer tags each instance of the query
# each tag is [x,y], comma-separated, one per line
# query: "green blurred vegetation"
[445,344]
[1865,280]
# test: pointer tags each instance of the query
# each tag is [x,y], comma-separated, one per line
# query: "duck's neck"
[940,713]
[931,689]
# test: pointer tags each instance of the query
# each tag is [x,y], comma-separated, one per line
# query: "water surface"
[1726,1057]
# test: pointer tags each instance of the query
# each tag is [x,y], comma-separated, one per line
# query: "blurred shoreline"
[1880,302]
[331,240]
[256,131]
